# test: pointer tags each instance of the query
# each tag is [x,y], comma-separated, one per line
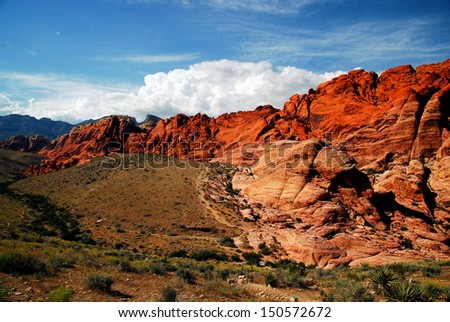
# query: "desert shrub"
[252,258]
[382,279]
[294,279]
[292,267]
[126,266]
[61,294]
[186,274]
[430,271]
[446,294]
[356,275]
[205,254]
[227,242]
[206,268]
[168,294]
[271,280]
[236,258]
[15,262]
[4,292]
[402,268]
[432,292]
[223,273]
[159,268]
[58,262]
[324,274]
[348,291]
[263,249]
[113,260]
[178,253]
[99,282]
[405,292]
[208,275]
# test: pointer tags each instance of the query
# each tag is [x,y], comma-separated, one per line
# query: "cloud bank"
[211,87]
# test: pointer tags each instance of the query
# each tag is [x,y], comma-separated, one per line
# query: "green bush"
[20,263]
[206,254]
[252,258]
[294,279]
[186,275]
[178,253]
[126,266]
[264,250]
[58,262]
[228,242]
[99,282]
[168,294]
[61,294]
[161,268]
[271,280]
[223,273]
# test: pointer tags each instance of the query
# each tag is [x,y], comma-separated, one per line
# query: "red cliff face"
[86,142]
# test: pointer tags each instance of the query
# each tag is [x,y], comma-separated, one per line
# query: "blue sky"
[73,60]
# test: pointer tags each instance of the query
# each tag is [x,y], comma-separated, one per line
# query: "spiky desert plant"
[382,278]
[405,292]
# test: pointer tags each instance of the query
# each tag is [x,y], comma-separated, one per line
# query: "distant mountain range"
[15,124]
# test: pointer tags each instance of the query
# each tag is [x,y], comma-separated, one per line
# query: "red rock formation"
[404,112]
[370,171]
[86,142]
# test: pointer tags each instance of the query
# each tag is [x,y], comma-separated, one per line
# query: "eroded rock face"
[86,142]
[336,214]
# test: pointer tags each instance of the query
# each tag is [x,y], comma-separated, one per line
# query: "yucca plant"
[382,278]
[405,292]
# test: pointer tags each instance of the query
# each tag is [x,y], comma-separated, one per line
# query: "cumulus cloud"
[211,87]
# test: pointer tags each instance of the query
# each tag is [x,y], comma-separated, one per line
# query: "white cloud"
[211,87]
